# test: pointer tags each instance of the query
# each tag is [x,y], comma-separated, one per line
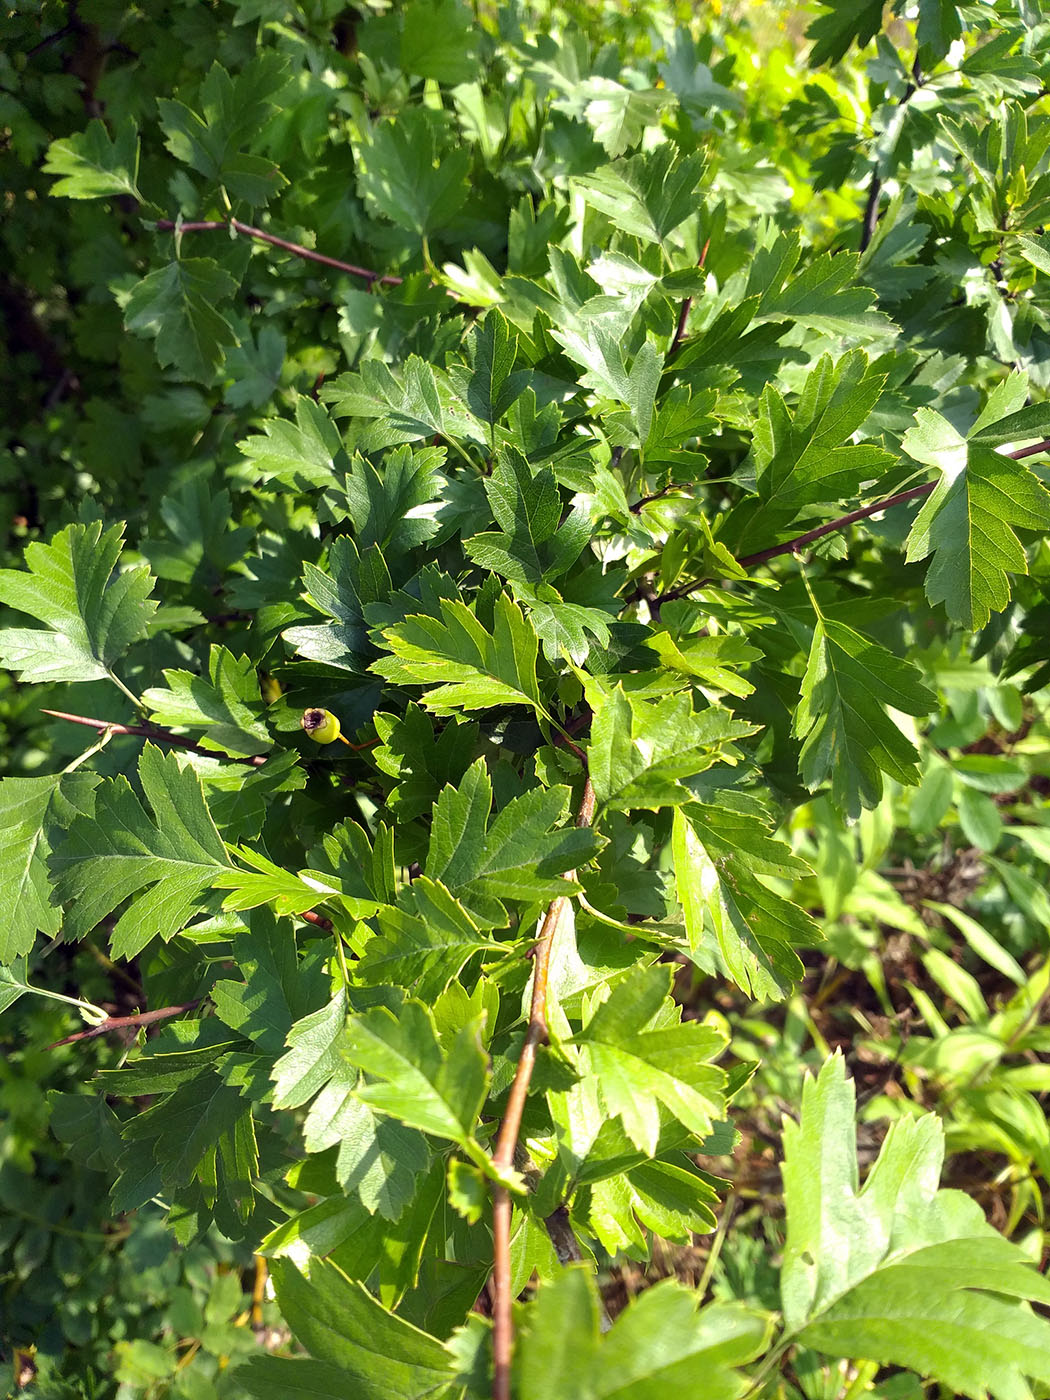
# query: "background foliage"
[630,424]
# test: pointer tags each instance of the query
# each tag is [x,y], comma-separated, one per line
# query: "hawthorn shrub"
[534,553]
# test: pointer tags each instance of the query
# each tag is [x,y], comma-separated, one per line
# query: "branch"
[249,231]
[683,314]
[749,561]
[119,1023]
[162,736]
[871,206]
[503,1157]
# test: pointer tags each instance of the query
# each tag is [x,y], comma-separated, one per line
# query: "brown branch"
[162,736]
[120,1023]
[871,206]
[749,561]
[249,231]
[503,1156]
[683,315]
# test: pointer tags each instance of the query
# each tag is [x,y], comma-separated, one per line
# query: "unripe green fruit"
[321,726]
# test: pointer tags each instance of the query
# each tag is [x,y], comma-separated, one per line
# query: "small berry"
[321,726]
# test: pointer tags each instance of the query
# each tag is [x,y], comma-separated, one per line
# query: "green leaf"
[351,583]
[899,1271]
[822,297]
[648,195]
[642,750]
[32,812]
[438,41]
[522,855]
[838,26]
[276,991]
[388,508]
[848,736]
[406,180]
[162,865]
[659,1342]
[805,457]
[968,522]
[533,546]
[93,165]
[411,1077]
[377,1158]
[424,945]
[361,1349]
[643,1060]
[417,405]
[176,307]
[227,706]
[305,455]
[233,109]
[719,855]
[92,610]
[465,666]
[490,384]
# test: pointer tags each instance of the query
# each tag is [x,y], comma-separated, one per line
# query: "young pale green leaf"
[968,522]
[641,751]
[175,306]
[92,610]
[227,706]
[658,1343]
[644,1060]
[464,666]
[848,736]
[719,855]
[267,883]
[901,1272]
[360,1348]
[32,812]
[161,864]
[92,165]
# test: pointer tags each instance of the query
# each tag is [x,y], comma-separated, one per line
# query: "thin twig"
[162,736]
[210,225]
[749,561]
[503,1156]
[871,206]
[120,1023]
[683,315]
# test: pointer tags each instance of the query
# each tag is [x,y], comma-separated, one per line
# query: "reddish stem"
[503,1156]
[119,1023]
[162,736]
[249,231]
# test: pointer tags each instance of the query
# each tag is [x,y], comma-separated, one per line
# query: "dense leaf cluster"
[665,534]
